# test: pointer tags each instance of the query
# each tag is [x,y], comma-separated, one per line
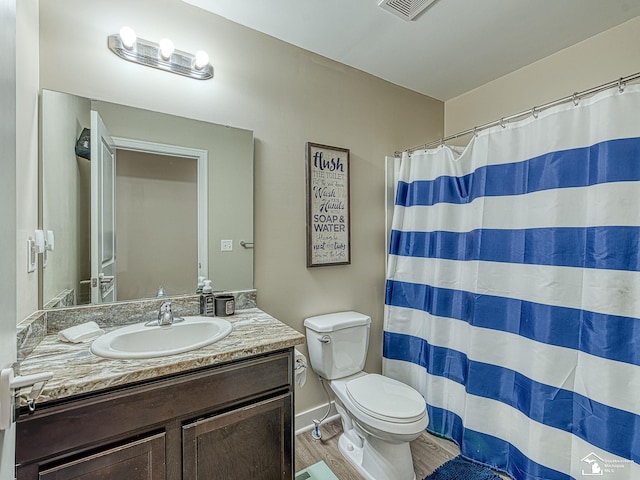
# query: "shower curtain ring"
[620,85]
[576,99]
[475,131]
[534,112]
[502,123]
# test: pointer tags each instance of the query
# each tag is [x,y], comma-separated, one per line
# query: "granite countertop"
[77,371]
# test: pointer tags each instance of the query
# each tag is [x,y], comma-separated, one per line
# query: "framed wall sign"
[328,220]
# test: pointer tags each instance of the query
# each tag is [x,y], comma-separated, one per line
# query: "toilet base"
[367,455]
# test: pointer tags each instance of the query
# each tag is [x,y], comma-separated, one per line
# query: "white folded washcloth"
[80,333]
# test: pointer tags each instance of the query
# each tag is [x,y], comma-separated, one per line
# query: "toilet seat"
[386,399]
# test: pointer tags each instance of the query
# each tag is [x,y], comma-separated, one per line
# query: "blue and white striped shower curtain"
[513,291]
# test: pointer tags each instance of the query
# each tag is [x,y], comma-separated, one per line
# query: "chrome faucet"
[165,316]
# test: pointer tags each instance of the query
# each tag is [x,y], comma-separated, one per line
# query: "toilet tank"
[337,343]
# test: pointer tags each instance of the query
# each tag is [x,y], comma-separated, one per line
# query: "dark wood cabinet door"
[251,442]
[140,460]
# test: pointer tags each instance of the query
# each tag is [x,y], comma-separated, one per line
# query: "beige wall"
[595,61]
[287,96]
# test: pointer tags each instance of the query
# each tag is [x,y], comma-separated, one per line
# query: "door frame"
[10,252]
[103,176]
[202,158]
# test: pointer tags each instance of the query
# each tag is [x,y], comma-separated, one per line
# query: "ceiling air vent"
[405,9]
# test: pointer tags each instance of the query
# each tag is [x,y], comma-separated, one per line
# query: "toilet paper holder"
[299,368]
[299,364]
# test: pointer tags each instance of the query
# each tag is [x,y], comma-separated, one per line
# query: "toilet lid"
[386,399]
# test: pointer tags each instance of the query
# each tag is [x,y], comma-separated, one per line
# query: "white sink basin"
[140,341]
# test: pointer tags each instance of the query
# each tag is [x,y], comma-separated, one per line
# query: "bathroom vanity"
[220,412]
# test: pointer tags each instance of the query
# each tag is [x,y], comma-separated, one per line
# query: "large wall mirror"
[160,201]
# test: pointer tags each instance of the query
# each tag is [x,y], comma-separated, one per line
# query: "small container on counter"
[225,305]
[207,300]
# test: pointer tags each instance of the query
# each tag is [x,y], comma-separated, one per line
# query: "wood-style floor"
[429,452]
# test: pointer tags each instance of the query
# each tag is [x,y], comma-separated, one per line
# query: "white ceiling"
[452,47]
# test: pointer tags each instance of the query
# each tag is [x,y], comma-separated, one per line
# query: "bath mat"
[461,469]
[318,471]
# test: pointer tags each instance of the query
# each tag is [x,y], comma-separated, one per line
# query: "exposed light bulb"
[202,60]
[128,37]
[166,48]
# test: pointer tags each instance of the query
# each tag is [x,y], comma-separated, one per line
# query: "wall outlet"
[226,245]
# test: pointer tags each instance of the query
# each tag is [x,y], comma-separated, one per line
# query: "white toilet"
[380,416]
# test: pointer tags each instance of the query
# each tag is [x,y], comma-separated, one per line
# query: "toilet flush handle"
[325,339]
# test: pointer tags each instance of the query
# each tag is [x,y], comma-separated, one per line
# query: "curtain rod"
[620,83]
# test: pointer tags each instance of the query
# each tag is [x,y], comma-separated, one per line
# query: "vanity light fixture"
[161,55]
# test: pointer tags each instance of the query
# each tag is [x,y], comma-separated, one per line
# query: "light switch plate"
[226,245]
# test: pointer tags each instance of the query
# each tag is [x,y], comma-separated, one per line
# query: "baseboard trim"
[304,420]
